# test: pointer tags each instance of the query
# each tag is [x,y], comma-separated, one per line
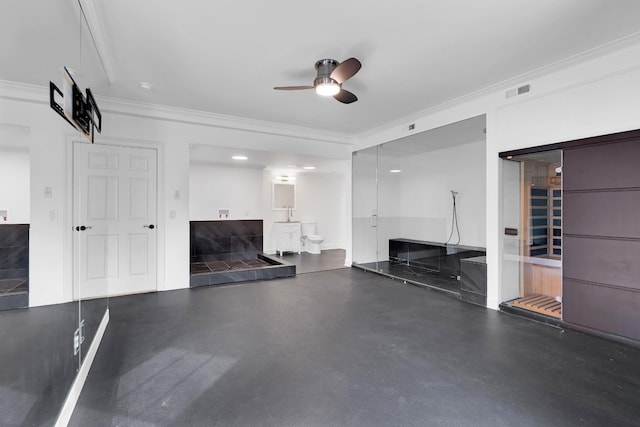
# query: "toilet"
[310,240]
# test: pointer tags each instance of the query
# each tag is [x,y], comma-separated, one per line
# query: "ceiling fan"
[331,75]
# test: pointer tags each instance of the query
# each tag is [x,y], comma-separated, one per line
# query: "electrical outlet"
[172,214]
[48,192]
[53,215]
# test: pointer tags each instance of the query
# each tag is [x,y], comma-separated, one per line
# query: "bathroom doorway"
[532,239]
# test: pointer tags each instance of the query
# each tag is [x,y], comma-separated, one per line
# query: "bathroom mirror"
[283,196]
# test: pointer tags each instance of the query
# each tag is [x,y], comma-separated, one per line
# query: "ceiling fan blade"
[293,87]
[345,97]
[347,69]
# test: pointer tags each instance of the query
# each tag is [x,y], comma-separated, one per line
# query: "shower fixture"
[454,219]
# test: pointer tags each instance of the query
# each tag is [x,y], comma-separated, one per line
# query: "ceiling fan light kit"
[330,76]
[326,86]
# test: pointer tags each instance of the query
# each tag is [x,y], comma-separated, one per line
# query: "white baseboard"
[74,393]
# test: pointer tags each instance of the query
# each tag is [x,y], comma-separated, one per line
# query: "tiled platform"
[14,293]
[263,267]
[13,286]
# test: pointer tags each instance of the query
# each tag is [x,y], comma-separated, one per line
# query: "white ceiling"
[225,56]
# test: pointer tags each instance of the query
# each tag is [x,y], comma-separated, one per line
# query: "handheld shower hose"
[454,219]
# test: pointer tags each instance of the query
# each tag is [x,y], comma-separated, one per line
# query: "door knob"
[150,226]
[83,227]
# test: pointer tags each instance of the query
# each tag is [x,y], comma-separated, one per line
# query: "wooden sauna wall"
[536,279]
[541,280]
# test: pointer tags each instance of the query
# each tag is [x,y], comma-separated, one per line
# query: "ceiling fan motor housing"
[324,68]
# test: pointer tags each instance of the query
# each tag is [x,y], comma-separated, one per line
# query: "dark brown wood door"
[601,237]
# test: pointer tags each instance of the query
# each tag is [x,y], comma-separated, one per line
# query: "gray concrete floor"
[347,347]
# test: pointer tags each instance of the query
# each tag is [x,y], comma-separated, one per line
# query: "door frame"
[68,215]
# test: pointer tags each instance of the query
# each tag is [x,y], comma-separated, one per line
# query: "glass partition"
[405,221]
[532,239]
[365,208]
[92,250]
[41,354]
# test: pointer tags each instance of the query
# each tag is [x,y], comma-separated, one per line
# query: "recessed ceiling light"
[309,168]
[145,85]
[395,170]
[239,157]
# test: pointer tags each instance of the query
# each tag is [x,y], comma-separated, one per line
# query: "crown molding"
[203,118]
[38,94]
[24,92]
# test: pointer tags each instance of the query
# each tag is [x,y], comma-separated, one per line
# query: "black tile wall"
[14,251]
[473,280]
[225,240]
[246,243]
[437,257]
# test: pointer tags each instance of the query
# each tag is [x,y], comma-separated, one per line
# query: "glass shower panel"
[365,208]
[390,192]
[91,249]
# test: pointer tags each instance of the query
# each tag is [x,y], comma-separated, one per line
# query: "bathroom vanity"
[287,236]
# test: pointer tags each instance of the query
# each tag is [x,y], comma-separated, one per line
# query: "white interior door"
[114,220]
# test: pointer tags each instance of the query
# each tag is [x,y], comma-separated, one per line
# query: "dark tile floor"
[347,347]
[329,259]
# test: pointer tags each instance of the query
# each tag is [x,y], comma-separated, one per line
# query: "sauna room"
[533,251]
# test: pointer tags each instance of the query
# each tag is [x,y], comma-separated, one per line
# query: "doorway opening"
[532,216]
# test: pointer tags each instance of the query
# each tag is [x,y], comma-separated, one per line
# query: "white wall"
[14,184]
[215,187]
[320,197]
[44,135]
[417,203]
[425,208]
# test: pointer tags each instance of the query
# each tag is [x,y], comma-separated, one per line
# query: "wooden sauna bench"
[541,286]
